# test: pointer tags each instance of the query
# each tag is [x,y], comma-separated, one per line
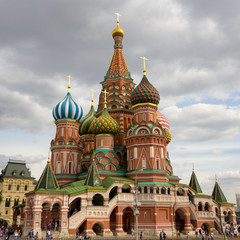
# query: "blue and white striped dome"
[67,109]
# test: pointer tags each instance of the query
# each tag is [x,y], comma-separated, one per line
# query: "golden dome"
[118,31]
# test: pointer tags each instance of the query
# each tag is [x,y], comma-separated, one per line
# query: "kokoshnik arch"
[96,162]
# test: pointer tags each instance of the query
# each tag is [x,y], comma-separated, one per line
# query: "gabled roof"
[218,194]
[93,178]
[47,179]
[194,184]
[16,169]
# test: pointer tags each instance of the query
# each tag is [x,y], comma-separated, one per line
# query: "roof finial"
[105,98]
[48,156]
[92,96]
[118,15]
[69,86]
[216,178]
[193,167]
[144,65]
[93,157]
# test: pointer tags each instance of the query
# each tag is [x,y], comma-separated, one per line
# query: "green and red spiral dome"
[145,92]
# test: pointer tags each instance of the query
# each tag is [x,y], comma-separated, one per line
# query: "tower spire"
[105,98]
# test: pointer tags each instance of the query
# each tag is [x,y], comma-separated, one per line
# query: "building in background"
[99,161]
[15,181]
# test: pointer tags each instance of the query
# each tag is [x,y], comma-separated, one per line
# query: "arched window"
[206,207]
[126,188]
[139,189]
[200,206]
[9,187]
[163,190]
[151,189]
[180,192]
[145,190]
[169,191]
[157,190]
[97,200]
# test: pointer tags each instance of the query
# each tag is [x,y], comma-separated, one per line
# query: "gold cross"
[48,156]
[118,15]
[193,167]
[144,64]
[92,95]
[69,86]
[105,98]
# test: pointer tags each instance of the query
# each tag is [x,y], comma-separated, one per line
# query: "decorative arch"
[97,200]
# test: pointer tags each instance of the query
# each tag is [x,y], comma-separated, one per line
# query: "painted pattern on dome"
[86,123]
[105,124]
[145,92]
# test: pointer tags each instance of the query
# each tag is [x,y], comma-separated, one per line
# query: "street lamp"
[136,203]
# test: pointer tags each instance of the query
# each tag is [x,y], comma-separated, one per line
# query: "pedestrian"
[56,225]
[164,235]
[200,232]
[77,232]
[16,234]
[141,236]
[1,235]
[211,235]
[48,234]
[86,236]
[36,236]
[80,237]
[196,232]
[178,234]
[160,235]
[132,231]
[188,236]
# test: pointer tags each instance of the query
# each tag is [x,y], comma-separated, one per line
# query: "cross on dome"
[105,98]
[144,64]
[69,86]
[118,15]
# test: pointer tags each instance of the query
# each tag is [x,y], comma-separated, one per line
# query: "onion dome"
[117,31]
[168,135]
[86,123]
[145,92]
[67,108]
[105,124]
[162,120]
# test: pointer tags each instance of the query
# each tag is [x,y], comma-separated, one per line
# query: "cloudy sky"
[193,47]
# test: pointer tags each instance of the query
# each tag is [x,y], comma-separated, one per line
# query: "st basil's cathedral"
[112,167]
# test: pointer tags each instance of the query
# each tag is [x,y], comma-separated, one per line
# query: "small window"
[151,189]
[145,190]
[9,187]
[14,173]
[169,191]
[22,173]
[70,168]
[6,212]
[163,190]
[157,190]
[26,188]
[18,187]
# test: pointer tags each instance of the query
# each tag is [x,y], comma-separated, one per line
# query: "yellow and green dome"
[105,124]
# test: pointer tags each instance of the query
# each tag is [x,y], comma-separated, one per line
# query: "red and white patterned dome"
[162,120]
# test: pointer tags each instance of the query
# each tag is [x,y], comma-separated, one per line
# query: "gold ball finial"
[92,96]
[69,86]
[48,157]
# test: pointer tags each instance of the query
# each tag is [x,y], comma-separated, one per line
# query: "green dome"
[86,124]
[105,124]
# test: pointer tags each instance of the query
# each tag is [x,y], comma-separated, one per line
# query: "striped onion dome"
[162,120]
[67,109]
[86,123]
[105,124]
[145,92]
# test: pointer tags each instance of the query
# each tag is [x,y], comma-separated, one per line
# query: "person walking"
[16,234]
[164,235]
[141,236]
[188,236]
[36,236]
[160,235]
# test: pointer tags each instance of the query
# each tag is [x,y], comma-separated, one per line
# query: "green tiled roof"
[194,184]
[218,194]
[47,179]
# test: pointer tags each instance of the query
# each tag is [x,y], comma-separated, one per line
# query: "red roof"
[162,120]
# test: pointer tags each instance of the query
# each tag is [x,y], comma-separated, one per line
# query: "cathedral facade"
[112,167]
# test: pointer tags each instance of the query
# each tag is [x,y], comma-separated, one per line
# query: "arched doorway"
[128,220]
[75,206]
[55,216]
[113,193]
[113,221]
[98,229]
[205,227]
[45,216]
[180,219]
